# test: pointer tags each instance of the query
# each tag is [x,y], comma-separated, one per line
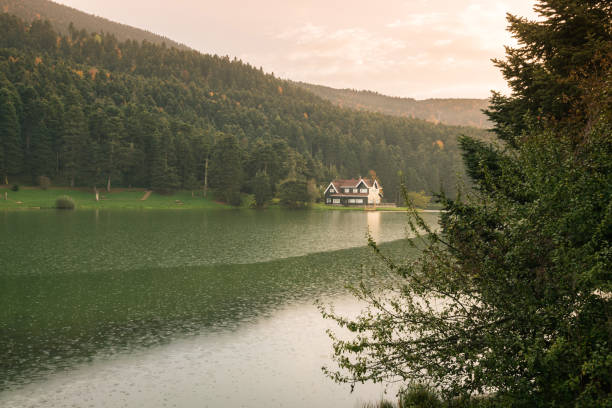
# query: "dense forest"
[461,112]
[85,109]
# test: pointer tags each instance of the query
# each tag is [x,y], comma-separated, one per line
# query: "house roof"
[340,184]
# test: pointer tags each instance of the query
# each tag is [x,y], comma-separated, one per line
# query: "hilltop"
[451,111]
[460,112]
[62,16]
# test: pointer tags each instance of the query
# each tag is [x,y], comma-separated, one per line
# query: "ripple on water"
[109,313]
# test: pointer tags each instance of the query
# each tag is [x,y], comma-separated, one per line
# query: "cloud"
[413,48]
[442,43]
[353,49]
[437,48]
[417,20]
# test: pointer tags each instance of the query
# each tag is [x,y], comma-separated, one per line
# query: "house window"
[351,201]
[347,190]
[355,190]
[336,201]
[364,190]
[328,200]
[359,201]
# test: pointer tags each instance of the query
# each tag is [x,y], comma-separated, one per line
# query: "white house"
[361,191]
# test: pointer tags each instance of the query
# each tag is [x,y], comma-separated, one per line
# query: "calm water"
[186,308]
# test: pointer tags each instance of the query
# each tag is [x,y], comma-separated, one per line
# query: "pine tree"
[512,297]
[225,172]
[262,189]
[10,135]
[74,143]
[42,158]
[163,177]
[545,72]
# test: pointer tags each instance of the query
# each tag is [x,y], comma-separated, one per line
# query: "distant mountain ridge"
[460,112]
[61,16]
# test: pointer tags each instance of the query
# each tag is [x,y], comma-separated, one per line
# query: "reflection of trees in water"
[50,323]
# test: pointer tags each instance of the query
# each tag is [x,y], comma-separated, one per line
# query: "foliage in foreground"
[422,396]
[513,297]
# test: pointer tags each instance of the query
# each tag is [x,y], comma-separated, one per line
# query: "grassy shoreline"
[35,198]
[31,198]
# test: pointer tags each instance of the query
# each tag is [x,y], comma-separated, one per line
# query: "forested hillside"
[86,109]
[461,112]
[62,16]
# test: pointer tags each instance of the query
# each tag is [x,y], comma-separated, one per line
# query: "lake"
[180,308]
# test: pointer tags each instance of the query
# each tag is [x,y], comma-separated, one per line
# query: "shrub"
[44,182]
[419,396]
[418,199]
[234,198]
[293,194]
[65,203]
[15,187]
[381,404]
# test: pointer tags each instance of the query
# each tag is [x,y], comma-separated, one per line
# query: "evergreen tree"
[74,143]
[294,194]
[225,171]
[42,157]
[54,122]
[10,135]
[2,165]
[262,189]
[164,177]
[512,297]
[545,72]
[106,126]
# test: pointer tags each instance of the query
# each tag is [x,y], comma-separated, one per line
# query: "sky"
[410,48]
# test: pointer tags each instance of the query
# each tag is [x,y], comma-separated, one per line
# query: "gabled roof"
[343,183]
[352,183]
[340,184]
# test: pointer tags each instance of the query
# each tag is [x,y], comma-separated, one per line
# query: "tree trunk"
[72,182]
[108,185]
[206,177]
[97,193]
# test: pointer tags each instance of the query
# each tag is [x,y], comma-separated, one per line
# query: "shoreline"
[36,199]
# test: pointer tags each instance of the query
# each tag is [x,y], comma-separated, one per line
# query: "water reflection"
[85,287]
[272,362]
[65,242]
[374,224]
[52,322]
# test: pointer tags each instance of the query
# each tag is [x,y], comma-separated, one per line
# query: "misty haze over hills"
[451,111]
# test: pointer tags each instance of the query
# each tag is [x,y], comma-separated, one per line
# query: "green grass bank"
[36,198]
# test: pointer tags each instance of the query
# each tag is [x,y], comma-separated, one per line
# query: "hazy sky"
[411,48]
